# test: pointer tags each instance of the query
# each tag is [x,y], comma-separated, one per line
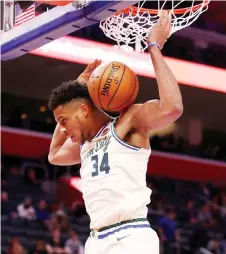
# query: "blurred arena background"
[41,204]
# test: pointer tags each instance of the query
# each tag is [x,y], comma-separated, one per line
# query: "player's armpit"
[151,115]
[66,155]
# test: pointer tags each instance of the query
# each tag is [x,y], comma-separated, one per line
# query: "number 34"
[104,166]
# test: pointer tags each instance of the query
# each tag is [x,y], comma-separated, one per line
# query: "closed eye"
[62,121]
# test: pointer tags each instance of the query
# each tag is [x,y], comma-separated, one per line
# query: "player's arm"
[158,113]
[63,152]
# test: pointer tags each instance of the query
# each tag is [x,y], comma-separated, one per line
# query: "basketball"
[113,86]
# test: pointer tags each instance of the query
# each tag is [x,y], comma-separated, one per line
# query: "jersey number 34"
[103,167]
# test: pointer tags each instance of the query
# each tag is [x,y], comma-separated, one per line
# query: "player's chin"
[76,140]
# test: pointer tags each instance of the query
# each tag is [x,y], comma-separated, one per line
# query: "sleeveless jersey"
[113,177]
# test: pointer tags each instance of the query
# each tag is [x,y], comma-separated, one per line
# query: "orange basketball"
[113,86]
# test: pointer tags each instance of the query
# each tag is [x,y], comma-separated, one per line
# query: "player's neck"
[98,121]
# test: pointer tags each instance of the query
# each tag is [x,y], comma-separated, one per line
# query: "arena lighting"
[84,51]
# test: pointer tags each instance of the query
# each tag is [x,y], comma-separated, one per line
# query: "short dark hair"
[66,92]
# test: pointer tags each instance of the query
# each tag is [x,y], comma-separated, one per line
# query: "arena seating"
[167,193]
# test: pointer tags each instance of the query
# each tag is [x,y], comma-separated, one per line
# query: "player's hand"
[161,31]
[84,77]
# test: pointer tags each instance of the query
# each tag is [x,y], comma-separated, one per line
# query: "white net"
[131,27]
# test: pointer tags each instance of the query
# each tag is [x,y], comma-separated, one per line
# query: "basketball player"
[114,153]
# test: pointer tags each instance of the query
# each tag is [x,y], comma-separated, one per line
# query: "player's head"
[72,109]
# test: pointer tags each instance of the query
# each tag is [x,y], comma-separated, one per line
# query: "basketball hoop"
[132,25]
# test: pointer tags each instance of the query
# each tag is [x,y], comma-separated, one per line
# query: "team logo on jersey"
[105,131]
[100,143]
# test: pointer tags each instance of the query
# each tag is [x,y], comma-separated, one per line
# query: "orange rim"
[134,10]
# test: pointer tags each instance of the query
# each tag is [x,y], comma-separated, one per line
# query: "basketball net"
[131,26]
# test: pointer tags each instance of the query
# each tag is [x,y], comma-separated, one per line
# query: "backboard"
[53,24]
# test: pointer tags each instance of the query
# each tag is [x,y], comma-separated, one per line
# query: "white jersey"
[113,179]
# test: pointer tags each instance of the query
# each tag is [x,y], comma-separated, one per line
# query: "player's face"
[71,120]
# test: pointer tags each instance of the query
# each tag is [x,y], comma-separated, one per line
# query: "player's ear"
[84,109]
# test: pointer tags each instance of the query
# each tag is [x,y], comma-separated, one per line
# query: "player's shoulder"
[124,120]
[132,113]
[129,112]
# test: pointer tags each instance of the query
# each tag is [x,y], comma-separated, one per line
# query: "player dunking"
[114,153]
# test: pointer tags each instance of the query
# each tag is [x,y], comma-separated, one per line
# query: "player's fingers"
[100,61]
[96,61]
[169,18]
[169,24]
[162,14]
[160,18]
[163,17]
[93,65]
[90,65]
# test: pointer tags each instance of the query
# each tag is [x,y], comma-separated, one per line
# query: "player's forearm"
[169,92]
[57,142]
